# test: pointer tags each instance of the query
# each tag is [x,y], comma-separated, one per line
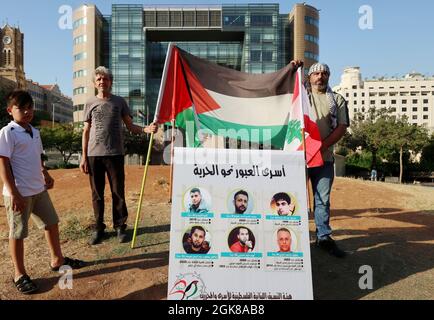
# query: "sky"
[400,41]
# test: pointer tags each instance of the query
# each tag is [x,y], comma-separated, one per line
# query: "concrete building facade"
[411,95]
[50,99]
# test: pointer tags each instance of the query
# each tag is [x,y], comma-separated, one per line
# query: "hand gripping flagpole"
[151,142]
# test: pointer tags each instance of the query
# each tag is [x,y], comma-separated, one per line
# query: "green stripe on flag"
[256,134]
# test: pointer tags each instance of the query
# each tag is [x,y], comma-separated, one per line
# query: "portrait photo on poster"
[284,240]
[241,240]
[240,201]
[197,200]
[283,204]
[196,240]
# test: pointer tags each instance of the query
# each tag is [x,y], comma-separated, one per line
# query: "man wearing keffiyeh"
[332,120]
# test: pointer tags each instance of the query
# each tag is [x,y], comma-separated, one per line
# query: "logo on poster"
[188,286]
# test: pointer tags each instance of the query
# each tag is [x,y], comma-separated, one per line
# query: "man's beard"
[197,246]
[241,209]
[320,87]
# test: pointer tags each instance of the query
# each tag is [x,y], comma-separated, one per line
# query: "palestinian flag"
[225,102]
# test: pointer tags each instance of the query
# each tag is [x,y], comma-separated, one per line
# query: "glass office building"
[253,38]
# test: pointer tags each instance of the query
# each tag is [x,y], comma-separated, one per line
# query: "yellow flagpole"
[172,152]
[139,208]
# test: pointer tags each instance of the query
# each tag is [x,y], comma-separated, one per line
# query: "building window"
[425,109]
[267,56]
[176,19]
[80,56]
[4,59]
[404,109]
[404,101]
[9,60]
[414,117]
[255,55]
[393,101]
[415,109]
[162,18]
[149,18]
[261,20]
[202,18]
[255,38]
[311,38]
[216,18]
[393,109]
[355,95]
[311,21]
[80,39]
[347,95]
[415,101]
[425,101]
[311,55]
[79,22]
[425,117]
[79,90]
[234,20]
[79,107]
[188,18]
[80,73]
[372,102]
[383,101]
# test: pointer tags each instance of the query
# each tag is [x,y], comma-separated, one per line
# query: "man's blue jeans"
[322,181]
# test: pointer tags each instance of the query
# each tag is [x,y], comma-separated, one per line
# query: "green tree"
[135,143]
[39,115]
[4,116]
[405,137]
[427,160]
[63,138]
[368,132]
[385,135]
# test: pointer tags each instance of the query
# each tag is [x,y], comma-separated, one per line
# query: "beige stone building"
[304,22]
[411,95]
[50,99]
[12,55]
[88,53]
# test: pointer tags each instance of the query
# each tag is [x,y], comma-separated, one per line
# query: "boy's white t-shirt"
[24,153]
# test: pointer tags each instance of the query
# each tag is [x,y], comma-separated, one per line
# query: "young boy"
[26,182]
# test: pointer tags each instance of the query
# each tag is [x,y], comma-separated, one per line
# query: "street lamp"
[55,100]
[52,114]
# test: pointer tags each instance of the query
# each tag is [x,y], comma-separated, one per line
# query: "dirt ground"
[387,227]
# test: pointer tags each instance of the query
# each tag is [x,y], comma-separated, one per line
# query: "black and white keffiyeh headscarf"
[322,67]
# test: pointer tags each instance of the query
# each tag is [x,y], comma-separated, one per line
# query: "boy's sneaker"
[331,247]
[96,237]
[122,235]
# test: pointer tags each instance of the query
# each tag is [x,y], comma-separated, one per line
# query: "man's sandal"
[25,285]
[73,263]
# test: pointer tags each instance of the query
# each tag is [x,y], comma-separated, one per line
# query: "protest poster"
[239,226]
